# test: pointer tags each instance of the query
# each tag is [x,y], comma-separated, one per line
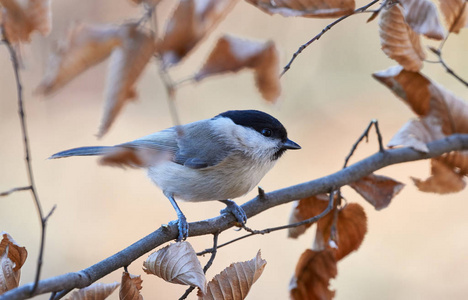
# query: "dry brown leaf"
[378,190]
[455,13]
[312,276]
[443,180]
[413,134]
[440,114]
[232,54]
[189,24]
[86,45]
[423,18]
[398,40]
[130,287]
[12,258]
[306,8]
[127,62]
[21,18]
[96,291]
[305,209]
[16,253]
[351,227]
[235,281]
[177,263]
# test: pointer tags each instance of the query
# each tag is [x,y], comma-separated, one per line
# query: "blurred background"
[417,248]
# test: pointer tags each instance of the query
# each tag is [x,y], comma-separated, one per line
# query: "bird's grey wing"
[199,146]
[164,140]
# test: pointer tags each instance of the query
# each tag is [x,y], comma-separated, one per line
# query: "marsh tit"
[220,158]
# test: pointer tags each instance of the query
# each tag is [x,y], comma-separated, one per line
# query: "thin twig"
[365,135]
[171,99]
[16,189]
[213,252]
[268,230]
[318,36]
[24,130]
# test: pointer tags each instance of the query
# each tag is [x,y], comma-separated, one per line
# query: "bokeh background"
[417,248]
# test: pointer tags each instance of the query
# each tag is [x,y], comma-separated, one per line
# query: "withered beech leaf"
[423,18]
[21,18]
[443,179]
[95,291]
[177,263]
[12,258]
[85,46]
[398,40]
[191,22]
[351,227]
[457,160]
[306,8]
[127,63]
[455,13]
[378,190]
[15,252]
[232,54]
[235,281]
[311,279]
[130,287]
[305,209]
[413,134]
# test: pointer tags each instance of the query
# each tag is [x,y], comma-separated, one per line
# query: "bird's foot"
[236,210]
[183,227]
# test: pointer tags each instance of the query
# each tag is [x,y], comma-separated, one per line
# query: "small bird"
[220,158]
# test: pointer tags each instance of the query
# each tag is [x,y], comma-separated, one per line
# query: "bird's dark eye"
[266,132]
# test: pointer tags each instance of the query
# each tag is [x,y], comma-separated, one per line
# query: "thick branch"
[253,207]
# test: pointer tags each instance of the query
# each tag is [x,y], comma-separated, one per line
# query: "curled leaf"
[189,24]
[455,13]
[443,180]
[413,134]
[398,40]
[86,45]
[21,18]
[350,229]
[305,209]
[12,258]
[130,287]
[378,190]
[232,54]
[306,8]
[95,291]
[177,263]
[423,18]
[127,62]
[235,281]
[311,279]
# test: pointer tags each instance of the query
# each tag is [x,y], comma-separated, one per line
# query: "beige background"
[415,249]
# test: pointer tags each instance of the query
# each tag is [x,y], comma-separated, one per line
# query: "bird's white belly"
[212,183]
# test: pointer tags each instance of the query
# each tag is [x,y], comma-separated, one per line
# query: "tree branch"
[253,207]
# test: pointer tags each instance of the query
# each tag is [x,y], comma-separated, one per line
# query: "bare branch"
[16,189]
[24,130]
[253,207]
[318,36]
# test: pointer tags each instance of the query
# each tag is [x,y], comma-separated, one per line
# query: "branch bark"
[253,207]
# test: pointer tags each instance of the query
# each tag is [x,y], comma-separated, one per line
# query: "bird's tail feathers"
[83,151]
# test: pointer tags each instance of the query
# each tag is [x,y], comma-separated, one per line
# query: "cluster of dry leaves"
[175,263]
[132,45]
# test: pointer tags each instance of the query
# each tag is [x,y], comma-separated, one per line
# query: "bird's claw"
[183,227]
[236,211]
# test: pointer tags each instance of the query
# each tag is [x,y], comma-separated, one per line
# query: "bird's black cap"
[258,121]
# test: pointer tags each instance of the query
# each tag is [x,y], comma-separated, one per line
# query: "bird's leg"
[236,210]
[182,220]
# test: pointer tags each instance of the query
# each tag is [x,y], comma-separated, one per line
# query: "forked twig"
[24,130]
[365,135]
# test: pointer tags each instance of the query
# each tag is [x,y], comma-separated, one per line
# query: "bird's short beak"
[290,145]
